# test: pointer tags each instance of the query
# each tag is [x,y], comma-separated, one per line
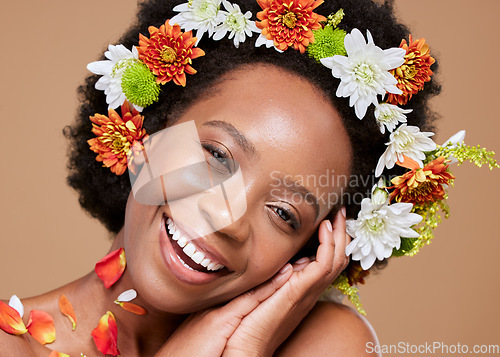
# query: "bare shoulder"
[23,345]
[331,329]
[15,346]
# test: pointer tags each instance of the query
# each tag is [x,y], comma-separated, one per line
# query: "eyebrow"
[238,136]
[304,193]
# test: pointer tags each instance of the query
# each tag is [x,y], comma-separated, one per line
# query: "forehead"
[293,127]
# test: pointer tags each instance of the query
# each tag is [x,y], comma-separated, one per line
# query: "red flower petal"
[10,320]
[131,307]
[106,334]
[110,268]
[67,310]
[41,327]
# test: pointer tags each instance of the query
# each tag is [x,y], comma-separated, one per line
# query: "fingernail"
[286,268]
[342,210]
[302,260]
[329,226]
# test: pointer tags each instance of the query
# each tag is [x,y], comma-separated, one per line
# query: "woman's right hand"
[258,321]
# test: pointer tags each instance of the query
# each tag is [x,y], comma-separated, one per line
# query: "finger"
[340,237]
[330,257]
[300,264]
[348,239]
[326,248]
[244,304]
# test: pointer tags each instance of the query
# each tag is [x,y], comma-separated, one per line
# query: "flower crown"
[407,207]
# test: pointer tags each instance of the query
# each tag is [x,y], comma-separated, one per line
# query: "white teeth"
[198,257]
[182,241]
[190,249]
[214,266]
[176,235]
[183,263]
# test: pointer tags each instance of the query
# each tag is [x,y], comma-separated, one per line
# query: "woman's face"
[291,147]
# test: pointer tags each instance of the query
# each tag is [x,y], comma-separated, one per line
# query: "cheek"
[270,252]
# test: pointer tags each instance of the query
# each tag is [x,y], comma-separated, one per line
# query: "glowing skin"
[285,129]
[274,124]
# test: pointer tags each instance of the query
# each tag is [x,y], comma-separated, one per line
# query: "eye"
[219,159]
[286,215]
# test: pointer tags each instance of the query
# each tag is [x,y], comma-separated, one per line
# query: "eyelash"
[292,220]
[219,155]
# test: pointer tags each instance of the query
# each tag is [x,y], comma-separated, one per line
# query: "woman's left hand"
[258,321]
[271,321]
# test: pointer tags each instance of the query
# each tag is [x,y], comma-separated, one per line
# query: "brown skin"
[295,131]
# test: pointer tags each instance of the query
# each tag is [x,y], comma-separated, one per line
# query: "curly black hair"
[104,194]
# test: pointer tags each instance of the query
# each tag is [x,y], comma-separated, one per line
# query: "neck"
[137,334]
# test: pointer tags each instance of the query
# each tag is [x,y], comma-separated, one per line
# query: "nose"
[223,208]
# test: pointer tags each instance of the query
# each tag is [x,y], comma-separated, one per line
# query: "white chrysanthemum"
[379,229]
[263,41]
[200,15]
[405,140]
[453,142]
[119,58]
[364,73]
[389,115]
[236,23]
[455,139]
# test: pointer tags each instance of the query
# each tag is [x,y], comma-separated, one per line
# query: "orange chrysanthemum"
[117,138]
[414,72]
[289,22]
[421,185]
[169,53]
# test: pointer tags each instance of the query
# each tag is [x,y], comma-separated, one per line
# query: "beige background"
[449,292]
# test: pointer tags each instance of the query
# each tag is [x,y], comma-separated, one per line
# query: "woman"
[274,124]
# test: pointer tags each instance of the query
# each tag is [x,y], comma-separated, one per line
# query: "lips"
[191,261]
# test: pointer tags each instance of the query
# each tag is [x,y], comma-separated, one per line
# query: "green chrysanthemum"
[328,42]
[139,85]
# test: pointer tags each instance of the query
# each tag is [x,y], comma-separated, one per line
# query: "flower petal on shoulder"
[41,327]
[110,268]
[10,320]
[16,303]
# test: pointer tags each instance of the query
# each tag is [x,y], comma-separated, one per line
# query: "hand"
[258,321]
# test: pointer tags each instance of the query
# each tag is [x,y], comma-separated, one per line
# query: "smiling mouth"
[189,254]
